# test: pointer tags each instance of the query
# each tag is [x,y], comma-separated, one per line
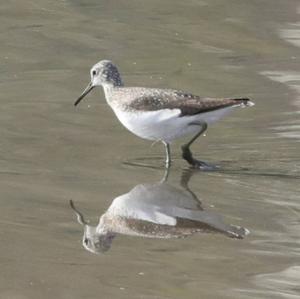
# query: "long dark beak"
[85,92]
[79,215]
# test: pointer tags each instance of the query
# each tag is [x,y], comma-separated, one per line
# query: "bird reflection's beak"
[85,92]
[79,215]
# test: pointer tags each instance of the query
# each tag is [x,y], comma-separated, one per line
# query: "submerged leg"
[187,154]
[168,154]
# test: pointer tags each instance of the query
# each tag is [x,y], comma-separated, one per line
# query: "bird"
[160,114]
[155,210]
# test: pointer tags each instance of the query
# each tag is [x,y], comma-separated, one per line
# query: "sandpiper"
[155,210]
[160,114]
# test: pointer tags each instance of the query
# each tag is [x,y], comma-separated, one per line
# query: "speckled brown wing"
[187,103]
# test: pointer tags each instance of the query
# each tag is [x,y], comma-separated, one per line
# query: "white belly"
[166,124]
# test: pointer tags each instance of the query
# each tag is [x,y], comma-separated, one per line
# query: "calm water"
[51,152]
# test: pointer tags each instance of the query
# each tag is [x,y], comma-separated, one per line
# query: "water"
[52,152]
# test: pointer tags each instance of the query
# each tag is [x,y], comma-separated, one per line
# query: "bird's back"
[153,99]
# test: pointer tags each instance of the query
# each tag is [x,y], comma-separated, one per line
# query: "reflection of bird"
[160,114]
[155,211]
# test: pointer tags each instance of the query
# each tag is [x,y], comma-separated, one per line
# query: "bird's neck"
[108,91]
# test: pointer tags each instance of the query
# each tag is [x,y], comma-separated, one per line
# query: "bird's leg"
[187,154]
[168,154]
[166,175]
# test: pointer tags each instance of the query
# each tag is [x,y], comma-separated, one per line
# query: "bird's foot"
[204,166]
[187,155]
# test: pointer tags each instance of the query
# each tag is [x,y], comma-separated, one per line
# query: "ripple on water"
[291,34]
[283,284]
[290,128]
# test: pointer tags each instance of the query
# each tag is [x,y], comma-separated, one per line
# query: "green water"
[52,152]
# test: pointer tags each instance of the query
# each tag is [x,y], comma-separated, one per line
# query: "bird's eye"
[86,241]
[94,73]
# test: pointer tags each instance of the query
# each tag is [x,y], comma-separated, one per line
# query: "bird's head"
[104,73]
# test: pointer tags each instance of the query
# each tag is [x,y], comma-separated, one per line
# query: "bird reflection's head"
[95,238]
[96,242]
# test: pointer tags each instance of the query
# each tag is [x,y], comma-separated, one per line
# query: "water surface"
[52,152]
